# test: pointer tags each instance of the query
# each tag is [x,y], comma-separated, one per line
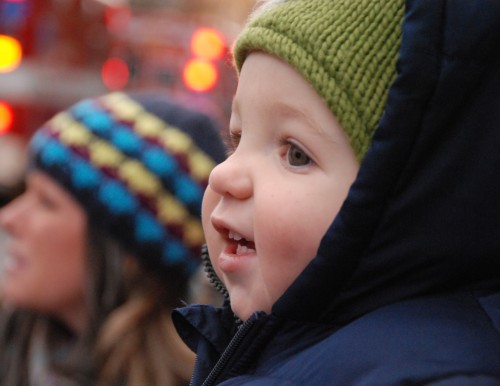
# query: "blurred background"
[56,52]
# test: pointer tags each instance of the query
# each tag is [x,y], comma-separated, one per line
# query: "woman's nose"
[232,178]
[10,215]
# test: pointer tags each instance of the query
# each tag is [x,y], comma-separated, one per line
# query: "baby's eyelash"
[231,142]
[287,143]
[235,137]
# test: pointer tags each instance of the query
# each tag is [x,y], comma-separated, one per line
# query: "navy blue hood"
[423,216]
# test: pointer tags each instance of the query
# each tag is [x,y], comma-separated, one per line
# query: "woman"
[103,243]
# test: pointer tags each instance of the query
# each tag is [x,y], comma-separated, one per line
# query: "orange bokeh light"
[200,75]
[208,43]
[11,53]
[6,117]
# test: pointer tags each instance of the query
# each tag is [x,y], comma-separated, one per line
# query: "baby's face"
[269,204]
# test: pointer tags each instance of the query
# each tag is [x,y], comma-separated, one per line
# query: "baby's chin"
[243,315]
[244,311]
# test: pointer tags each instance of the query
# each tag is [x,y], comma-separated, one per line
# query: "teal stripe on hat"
[117,198]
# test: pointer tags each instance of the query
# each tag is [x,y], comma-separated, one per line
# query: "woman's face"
[44,267]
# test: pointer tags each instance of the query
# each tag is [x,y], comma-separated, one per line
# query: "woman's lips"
[12,263]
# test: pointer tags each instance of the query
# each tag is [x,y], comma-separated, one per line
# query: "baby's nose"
[232,178]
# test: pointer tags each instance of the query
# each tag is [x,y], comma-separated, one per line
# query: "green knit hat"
[346,49]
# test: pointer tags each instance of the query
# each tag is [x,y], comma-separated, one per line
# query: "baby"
[354,224]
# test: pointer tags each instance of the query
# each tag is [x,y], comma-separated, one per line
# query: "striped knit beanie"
[138,164]
[346,49]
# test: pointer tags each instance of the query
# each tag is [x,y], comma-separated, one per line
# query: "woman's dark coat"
[405,289]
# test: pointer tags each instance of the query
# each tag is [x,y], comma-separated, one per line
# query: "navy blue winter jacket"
[405,289]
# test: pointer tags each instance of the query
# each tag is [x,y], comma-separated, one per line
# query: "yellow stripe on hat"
[102,154]
[124,108]
[175,140]
[200,165]
[193,233]
[148,125]
[139,178]
[70,131]
[170,211]
[76,135]
[61,121]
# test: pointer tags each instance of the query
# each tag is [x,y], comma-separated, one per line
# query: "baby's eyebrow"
[288,111]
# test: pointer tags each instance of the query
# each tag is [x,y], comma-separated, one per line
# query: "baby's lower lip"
[235,255]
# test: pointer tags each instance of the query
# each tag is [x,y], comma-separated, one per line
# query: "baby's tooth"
[234,236]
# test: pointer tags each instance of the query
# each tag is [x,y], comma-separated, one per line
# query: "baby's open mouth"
[241,245]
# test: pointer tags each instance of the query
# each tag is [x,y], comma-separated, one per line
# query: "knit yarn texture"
[346,49]
[139,178]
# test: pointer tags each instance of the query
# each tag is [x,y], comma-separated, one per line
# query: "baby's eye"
[296,156]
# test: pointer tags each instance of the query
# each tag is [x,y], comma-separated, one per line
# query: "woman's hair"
[130,339]
[136,340]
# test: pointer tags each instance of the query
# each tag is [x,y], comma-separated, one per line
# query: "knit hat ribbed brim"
[139,166]
[347,49]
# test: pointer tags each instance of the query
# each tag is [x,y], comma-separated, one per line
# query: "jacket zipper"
[228,352]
